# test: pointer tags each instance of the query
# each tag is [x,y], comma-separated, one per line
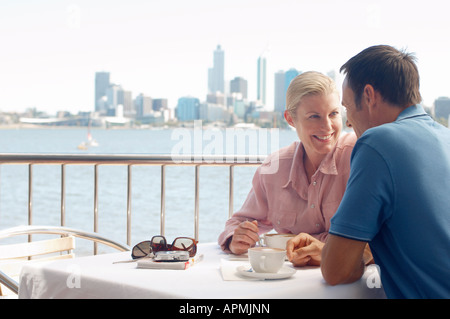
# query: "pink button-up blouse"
[285,201]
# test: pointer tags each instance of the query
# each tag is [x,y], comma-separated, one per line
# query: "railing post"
[63,194]
[95,204]
[30,194]
[197,197]
[30,197]
[163,200]
[129,206]
[231,192]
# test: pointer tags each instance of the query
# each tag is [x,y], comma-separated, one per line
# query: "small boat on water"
[91,142]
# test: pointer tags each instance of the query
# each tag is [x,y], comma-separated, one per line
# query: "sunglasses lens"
[159,243]
[184,243]
[141,250]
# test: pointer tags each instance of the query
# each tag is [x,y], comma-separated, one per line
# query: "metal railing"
[130,160]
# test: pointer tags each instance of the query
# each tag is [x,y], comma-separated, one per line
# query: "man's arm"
[342,260]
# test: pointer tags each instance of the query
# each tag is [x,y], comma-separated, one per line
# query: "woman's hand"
[245,236]
[367,256]
[304,250]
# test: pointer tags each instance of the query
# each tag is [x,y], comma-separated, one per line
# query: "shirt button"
[312,206]
[278,222]
[314,183]
[317,225]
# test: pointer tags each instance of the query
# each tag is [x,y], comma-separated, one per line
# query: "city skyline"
[111,98]
[52,49]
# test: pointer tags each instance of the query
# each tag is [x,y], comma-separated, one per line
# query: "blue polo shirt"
[398,200]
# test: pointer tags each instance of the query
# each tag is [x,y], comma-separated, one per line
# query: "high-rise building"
[125,99]
[216,74]
[213,112]
[442,107]
[112,99]
[261,80]
[239,109]
[279,92]
[159,104]
[239,85]
[332,75]
[288,77]
[143,105]
[101,85]
[188,109]
[282,81]
[116,96]
[216,98]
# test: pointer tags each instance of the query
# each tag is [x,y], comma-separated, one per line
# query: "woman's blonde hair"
[307,83]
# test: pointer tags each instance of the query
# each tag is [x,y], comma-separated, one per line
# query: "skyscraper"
[239,85]
[125,99]
[282,81]
[143,105]
[442,107]
[112,99]
[101,85]
[188,109]
[261,80]
[216,74]
[279,92]
[289,76]
[159,104]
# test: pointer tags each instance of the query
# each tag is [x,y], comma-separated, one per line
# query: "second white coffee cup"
[277,240]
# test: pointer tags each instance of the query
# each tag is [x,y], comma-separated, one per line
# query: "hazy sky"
[50,50]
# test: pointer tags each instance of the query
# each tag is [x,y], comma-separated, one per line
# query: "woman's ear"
[288,118]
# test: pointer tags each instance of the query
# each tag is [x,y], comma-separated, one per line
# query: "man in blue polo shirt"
[398,194]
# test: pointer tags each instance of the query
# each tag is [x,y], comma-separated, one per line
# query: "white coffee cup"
[266,259]
[277,240]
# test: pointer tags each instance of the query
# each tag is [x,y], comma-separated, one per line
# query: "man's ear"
[369,94]
[370,97]
[288,118]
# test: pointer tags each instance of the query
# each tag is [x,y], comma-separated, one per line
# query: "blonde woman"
[305,191]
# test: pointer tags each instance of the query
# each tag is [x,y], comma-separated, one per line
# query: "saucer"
[284,272]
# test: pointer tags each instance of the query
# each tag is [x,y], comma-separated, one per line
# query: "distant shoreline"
[58,127]
[29,126]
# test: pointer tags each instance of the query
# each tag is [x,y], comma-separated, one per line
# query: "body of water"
[146,190]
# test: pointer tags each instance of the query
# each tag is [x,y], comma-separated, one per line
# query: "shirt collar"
[297,174]
[412,111]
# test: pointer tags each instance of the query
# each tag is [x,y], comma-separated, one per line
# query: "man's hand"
[245,236]
[304,250]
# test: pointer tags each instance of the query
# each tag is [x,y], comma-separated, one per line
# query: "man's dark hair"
[391,72]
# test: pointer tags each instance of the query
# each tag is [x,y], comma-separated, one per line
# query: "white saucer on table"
[284,272]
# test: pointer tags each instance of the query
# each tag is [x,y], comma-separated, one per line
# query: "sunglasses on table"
[159,243]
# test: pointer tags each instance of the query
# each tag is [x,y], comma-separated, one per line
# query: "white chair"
[13,256]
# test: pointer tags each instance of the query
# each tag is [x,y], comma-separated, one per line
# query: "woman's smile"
[324,138]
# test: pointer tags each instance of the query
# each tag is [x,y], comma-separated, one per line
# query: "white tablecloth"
[99,277]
